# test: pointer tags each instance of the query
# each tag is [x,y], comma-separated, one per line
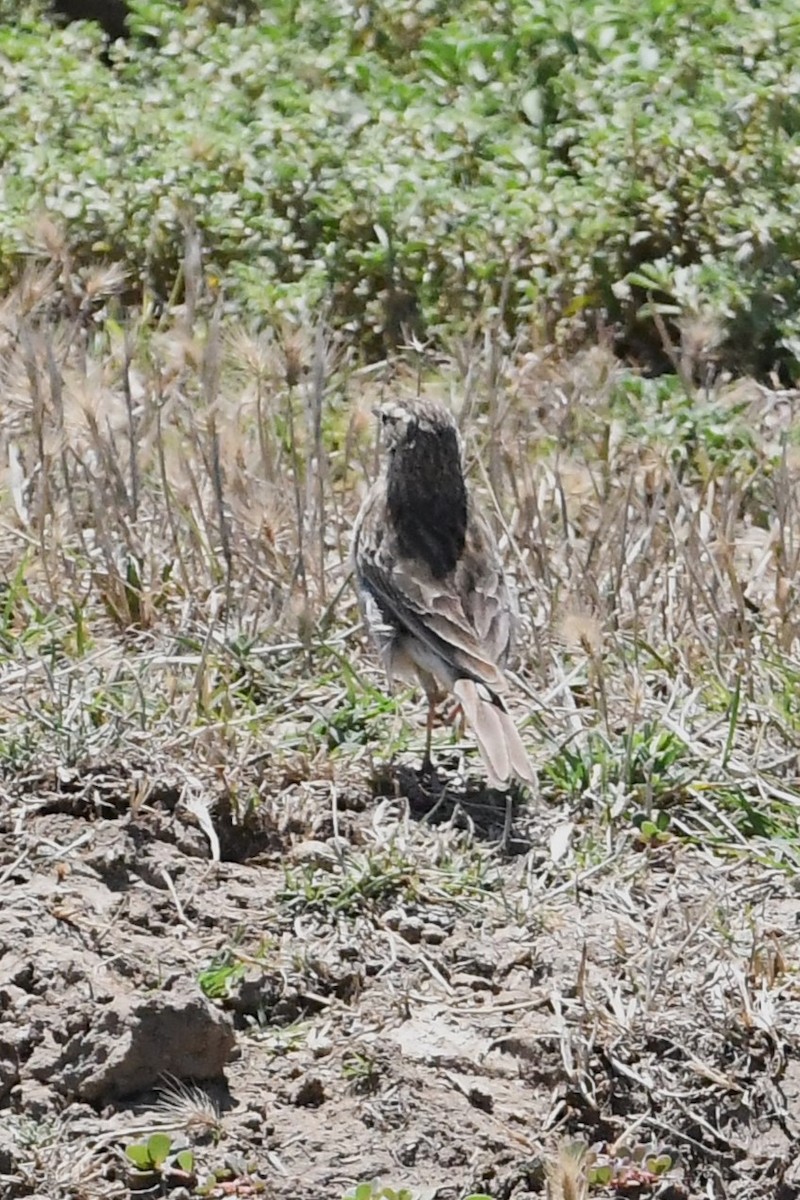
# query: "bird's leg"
[434,697]
[453,713]
[427,762]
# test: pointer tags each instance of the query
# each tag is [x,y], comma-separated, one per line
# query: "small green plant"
[153,1155]
[237,1177]
[150,1155]
[647,762]
[354,720]
[362,1070]
[653,830]
[570,771]
[220,977]
[626,1169]
[365,882]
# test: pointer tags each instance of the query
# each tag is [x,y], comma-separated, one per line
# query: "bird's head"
[404,422]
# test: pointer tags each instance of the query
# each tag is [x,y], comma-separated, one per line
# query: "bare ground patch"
[399,1002]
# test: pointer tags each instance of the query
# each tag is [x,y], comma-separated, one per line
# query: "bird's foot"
[453,714]
[428,767]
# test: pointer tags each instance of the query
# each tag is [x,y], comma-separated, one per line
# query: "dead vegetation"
[203,779]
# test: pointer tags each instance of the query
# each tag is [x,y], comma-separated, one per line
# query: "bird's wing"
[481,583]
[462,619]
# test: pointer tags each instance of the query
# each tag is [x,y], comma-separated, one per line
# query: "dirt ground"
[396,998]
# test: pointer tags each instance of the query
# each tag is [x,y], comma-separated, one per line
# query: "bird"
[431,585]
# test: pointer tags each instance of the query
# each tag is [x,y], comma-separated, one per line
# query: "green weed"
[154,1155]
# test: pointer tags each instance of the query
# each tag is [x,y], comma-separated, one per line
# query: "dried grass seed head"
[581,631]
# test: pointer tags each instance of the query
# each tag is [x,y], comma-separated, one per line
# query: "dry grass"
[175,517]
[175,505]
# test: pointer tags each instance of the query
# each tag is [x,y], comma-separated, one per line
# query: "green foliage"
[653,832]
[689,429]
[357,713]
[152,1155]
[362,1071]
[422,165]
[626,1168]
[236,1178]
[185,1160]
[372,879]
[368,881]
[220,977]
[647,763]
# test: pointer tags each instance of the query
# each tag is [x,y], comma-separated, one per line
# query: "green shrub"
[418,165]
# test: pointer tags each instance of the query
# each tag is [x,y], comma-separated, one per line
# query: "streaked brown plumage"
[431,585]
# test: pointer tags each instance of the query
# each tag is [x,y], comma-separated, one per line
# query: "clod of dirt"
[129,1045]
[479,1098]
[310,1094]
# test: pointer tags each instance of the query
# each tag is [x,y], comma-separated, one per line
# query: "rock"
[132,1043]
[13,1049]
[34,1099]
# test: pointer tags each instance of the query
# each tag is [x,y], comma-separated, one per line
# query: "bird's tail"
[497,736]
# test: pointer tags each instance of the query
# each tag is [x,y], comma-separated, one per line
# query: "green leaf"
[185,1160]
[158,1147]
[139,1156]
[601,1175]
